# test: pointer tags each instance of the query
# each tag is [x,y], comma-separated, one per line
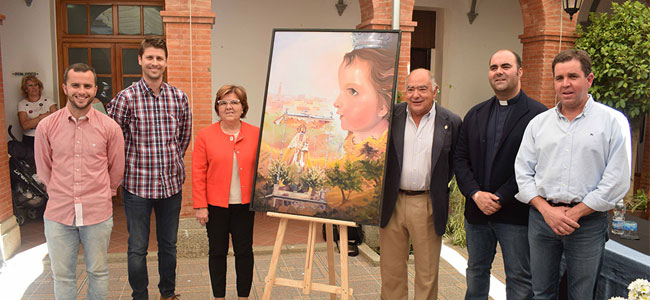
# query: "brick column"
[189,67]
[378,14]
[9,229]
[543,38]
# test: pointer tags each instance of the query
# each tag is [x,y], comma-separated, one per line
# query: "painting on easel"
[325,126]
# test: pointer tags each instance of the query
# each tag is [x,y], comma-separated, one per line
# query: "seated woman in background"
[223,166]
[33,108]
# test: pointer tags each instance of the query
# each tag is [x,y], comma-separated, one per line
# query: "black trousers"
[236,220]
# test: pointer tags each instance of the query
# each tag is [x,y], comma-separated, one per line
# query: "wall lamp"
[340,7]
[571,7]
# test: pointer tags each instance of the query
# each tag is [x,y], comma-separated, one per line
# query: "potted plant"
[637,205]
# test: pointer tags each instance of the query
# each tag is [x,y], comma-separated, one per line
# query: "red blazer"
[212,164]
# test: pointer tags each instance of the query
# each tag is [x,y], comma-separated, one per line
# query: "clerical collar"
[512,101]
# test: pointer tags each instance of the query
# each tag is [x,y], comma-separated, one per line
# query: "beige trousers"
[412,218]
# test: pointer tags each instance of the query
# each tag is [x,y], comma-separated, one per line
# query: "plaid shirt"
[157,131]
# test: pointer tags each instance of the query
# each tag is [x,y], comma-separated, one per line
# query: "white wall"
[464,49]
[28,44]
[241,39]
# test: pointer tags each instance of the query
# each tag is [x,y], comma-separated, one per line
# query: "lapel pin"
[446,126]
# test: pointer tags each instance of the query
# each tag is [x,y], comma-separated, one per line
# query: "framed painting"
[325,124]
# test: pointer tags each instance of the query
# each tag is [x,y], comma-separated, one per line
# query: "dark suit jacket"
[446,129]
[469,160]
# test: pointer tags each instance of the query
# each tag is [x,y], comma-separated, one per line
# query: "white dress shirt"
[416,159]
[584,160]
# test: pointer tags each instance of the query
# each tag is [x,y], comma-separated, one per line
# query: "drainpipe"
[396,7]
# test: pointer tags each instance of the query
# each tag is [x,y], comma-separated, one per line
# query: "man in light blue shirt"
[572,167]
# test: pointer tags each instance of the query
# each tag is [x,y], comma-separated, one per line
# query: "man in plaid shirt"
[157,124]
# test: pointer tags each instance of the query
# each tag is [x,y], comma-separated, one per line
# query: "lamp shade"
[571,7]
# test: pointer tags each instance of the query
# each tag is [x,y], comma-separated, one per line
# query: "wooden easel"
[306,285]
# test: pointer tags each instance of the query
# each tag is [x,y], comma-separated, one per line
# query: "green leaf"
[619,45]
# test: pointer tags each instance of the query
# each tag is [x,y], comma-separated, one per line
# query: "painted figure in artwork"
[298,149]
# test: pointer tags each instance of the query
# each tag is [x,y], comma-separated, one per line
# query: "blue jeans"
[138,217]
[583,250]
[481,247]
[63,247]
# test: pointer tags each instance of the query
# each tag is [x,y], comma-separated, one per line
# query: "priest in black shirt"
[487,145]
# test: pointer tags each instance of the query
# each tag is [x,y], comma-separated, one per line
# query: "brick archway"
[547,31]
[378,14]
[543,37]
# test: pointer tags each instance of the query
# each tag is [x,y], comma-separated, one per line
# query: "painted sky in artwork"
[310,61]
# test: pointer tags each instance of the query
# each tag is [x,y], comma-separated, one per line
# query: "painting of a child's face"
[358,103]
[324,133]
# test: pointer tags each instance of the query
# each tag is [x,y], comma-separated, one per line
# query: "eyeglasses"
[421,89]
[232,102]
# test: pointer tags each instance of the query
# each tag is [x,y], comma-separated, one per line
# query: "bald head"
[424,72]
[513,53]
[421,90]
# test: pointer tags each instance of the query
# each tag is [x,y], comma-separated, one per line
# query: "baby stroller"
[27,191]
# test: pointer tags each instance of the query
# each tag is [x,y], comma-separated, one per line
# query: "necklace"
[231,130]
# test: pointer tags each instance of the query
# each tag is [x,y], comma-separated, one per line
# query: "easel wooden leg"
[330,256]
[343,245]
[306,285]
[277,248]
[309,259]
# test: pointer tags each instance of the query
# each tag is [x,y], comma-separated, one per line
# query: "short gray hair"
[431,77]
[433,80]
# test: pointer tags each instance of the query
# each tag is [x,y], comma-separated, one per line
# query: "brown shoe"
[174,297]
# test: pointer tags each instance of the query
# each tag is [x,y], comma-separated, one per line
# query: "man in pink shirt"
[79,155]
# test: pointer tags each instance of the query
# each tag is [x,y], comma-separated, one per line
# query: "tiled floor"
[193,280]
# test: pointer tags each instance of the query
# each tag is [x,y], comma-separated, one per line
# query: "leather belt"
[412,193]
[554,204]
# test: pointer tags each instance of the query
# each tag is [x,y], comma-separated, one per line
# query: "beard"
[82,106]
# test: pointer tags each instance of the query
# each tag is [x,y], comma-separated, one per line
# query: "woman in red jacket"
[223,166]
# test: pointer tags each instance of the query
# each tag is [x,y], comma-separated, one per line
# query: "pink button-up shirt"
[81,162]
